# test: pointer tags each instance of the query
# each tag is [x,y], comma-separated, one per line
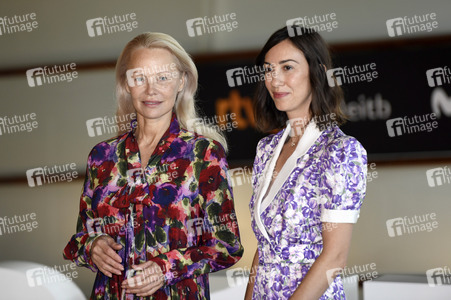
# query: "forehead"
[283,51]
[150,57]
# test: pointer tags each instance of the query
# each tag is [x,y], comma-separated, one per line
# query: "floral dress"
[178,213]
[323,181]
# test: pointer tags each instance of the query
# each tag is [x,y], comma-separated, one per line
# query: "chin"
[281,108]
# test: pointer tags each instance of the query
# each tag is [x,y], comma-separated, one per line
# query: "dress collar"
[131,143]
[311,134]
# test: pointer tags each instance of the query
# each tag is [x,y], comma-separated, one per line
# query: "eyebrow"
[283,61]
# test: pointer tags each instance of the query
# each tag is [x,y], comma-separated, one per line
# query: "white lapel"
[265,181]
[309,137]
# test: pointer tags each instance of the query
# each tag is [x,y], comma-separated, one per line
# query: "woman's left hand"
[145,279]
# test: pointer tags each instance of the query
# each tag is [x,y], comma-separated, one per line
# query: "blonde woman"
[156,212]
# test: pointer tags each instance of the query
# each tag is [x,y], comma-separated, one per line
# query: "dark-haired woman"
[309,179]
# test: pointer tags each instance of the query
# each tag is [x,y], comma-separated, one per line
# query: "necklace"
[293,142]
[298,137]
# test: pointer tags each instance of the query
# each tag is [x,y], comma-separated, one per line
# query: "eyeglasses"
[160,79]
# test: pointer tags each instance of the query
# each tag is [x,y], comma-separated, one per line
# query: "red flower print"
[175,212]
[209,179]
[177,238]
[104,209]
[104,172]
[178,168]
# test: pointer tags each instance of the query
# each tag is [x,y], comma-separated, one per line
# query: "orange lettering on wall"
[240,106]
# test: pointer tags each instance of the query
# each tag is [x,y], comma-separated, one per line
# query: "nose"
[150,84]
[276,80]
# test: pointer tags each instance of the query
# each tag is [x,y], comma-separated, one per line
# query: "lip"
[279,95]
[151,103]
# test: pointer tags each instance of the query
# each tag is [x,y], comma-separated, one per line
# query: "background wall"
[62,110]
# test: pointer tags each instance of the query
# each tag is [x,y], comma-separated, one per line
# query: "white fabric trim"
[266,181]
[309,137]
[339,215]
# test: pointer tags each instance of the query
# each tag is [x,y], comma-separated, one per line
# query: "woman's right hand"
[104,256]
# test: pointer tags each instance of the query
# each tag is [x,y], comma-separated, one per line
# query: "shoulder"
[269,142]
[341,146]
[200,143]
[105,150]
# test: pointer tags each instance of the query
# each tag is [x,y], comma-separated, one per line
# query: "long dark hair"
[326,100]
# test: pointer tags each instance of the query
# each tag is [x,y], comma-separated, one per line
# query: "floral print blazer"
[178,213]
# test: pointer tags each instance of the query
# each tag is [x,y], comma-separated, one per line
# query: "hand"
[144,280]
[103,254]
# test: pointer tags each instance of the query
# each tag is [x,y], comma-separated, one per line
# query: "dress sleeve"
[78,249]
[218,242]
[344,181]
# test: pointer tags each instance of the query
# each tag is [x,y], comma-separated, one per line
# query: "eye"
[288,67]
[164,77]
[268,68]
[140,80]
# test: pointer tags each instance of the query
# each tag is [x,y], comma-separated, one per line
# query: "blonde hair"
[185,104]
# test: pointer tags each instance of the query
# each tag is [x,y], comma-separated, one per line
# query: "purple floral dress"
[178,213]
[323,181]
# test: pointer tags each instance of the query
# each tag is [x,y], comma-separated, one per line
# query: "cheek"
[268,84]
[300,83]
[134,94]
[171,91]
